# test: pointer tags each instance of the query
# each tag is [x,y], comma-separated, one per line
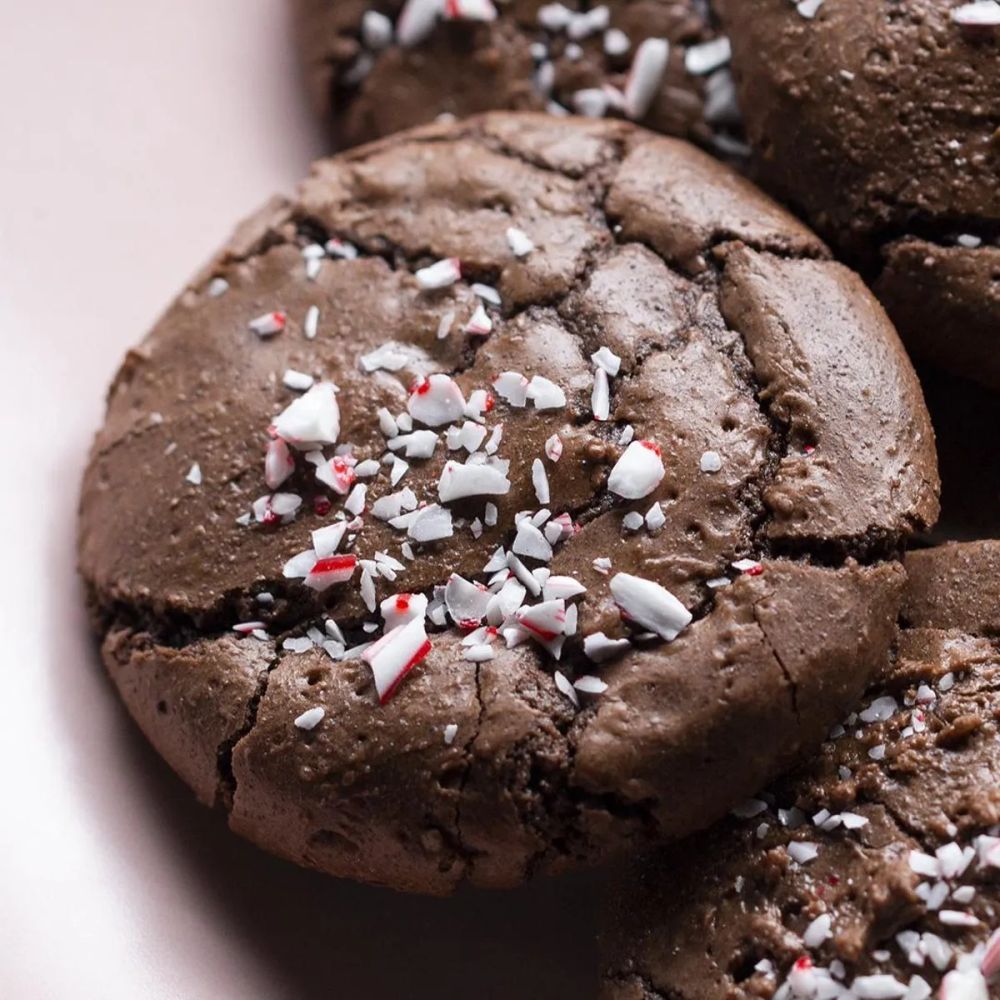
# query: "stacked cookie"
[530,490]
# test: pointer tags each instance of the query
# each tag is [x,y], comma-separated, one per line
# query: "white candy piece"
[355,502]
[470,10]
[818,931]
[416,21]
[297,381]
[519,242]
[513,387]
[554,17]
[388,357]
[441,274]
[311,420]
[616,42]
[638,472]
[327,540]
[480,324]
[376,30]
[417,444]
[466,602]
[333,569]
[436,400]
[395,655]
[194,476]
[431,524]
[650,605]
[981,14]
[589,684]
[606,359]
[401,609]
[600,396]
[808,8]
[802,851]
[964,985]
[708,56]
[710,461]
[540,480]
[645,76]
[450,732]
[544,621]
[459,480]
[530,542]
[268,324]
[562,586]
[565,688]
[545,394]
[310,718]
[554,448]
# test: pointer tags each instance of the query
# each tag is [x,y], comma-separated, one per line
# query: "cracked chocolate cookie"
[873,871]
[377,67]
[518,492]
[880,122]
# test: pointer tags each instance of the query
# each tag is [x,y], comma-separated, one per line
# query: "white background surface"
[134,135]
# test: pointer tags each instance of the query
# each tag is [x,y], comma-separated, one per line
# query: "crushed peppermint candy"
[600,397]
[638,472]
[310,718]
[311,420]
[436,400]
[519,242]
[393,656]
[194,476]
[606,359]
[441,274]
[648,604]
[710,461]
[645,76]
[268,324]
[450,732]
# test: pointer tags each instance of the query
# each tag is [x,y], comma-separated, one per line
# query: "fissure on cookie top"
[873,871]
[509,399]
[379,67]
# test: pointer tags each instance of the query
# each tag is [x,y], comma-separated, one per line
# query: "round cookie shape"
[872,870]
[374,68]
[519,492]
[880,123]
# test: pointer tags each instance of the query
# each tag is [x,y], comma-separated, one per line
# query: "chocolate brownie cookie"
[519,491]
[880,121]
[377,66]
[872,872]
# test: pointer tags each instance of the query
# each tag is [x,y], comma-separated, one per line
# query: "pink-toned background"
[134,135]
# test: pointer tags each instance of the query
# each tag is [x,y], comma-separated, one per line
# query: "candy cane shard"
[395,655]
[312,420]
[436,400]
[466,602]
[645,76]
[442,273]
[638,472]
[330,570]
[417,20]
[460,480]
[650,605]
[278,463]
[400,609]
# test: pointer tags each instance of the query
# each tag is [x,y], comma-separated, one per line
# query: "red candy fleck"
[754,570]
[322,505]
[803,963]
[652,446]
[402,602]
[420,387]
[490,402]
